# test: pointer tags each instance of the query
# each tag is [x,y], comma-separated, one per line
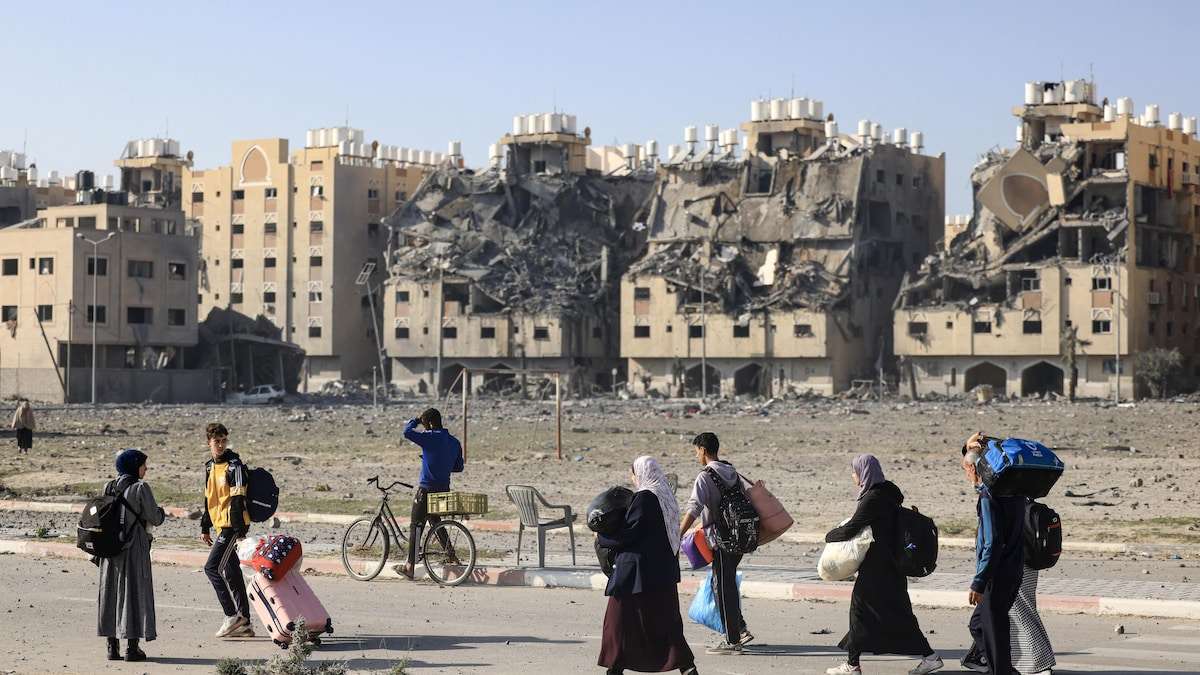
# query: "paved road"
[50,610]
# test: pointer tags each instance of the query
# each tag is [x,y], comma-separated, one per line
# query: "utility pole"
[441,307]
[95,300]
[1117,320]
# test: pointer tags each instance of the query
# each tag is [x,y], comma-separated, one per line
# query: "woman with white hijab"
[643,630]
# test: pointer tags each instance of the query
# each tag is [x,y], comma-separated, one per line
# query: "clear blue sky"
[84,78]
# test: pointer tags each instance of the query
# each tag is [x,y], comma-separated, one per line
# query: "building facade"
[1081,254]
[287,237]
[775,271]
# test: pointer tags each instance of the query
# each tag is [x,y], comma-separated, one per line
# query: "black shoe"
[132,653]
[114,649]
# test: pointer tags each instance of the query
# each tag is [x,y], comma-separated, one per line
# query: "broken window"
[45,266]
[802,330]
[317,191]
[541,333]
[879,217]
[176,317]
[981,326]
[177,271]
[539,166]
[270,193]
[918,328]
[696,331]
[487,332]
[641,293]
[741,331]
[641,331]
[372,229]
[139,315]
[450,332]
[916,182]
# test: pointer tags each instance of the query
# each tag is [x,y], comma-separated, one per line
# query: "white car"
[260,395]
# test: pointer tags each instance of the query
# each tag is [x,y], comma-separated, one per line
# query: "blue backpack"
[1019,468]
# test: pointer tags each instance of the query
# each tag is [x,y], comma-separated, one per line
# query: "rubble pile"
[529,243]
[1080,215]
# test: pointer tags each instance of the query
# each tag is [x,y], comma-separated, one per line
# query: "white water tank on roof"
[571,121]
[518,125]
[758,110]
[672,150]
[309,137]
[652,148]
[426,157]
[455,148]
[712,133]
[7,174]
[32,174]
[344,148]
[549,123]
[1074,91]
[1054,94]
[831,129]
[358,135]
[1110,113]
[778,108]
[864,129]
[1175,121]
[173,148]
[918,141]
[1033,93]
[1124,106]
[900,137]
[876,131]
[1151,117]
[1189,126]
[816,109]
[629,151]
[1020,135]
[108,182]
[532,122]
[797,108]
[54,178]
[689,135]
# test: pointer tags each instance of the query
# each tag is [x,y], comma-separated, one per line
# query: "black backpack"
[262,495]
[736,519]
[100,532]
[916,543]
[1043,536]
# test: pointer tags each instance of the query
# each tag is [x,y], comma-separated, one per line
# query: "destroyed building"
[513,268]
[287,236]
[775,272]
[1080,254]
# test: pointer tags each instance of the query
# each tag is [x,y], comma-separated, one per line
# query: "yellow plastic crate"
[457,503]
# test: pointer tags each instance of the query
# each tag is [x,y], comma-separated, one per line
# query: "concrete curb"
[510,526]
[593,580]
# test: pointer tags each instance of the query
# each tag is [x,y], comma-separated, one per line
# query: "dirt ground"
[1130,470]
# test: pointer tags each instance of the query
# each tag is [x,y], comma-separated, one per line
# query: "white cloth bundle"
[841,559]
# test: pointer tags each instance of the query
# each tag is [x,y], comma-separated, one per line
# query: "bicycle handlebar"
[375,481]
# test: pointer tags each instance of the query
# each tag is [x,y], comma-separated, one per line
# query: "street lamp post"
[95,298]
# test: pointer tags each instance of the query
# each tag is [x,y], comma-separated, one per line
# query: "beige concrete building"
[1088,226]
[515,267]
[144,277]
[286,237]
[22,195]
[776,272]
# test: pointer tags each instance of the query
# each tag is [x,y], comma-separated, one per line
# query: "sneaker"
[843,669]
[745,638]
[231,623]
[725,649]
[927,665]
[246,631]
[975,666]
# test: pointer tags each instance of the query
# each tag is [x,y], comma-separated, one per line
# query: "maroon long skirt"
[644,632]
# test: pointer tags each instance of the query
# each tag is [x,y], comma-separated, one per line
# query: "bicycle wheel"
[365,546]
[449,553]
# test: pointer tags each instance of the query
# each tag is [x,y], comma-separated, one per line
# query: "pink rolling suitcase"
[279,604]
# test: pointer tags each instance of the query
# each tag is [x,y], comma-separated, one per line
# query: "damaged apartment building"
[514,268]
[1081,253]
[775,271]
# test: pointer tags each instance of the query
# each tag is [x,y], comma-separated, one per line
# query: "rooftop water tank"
[549,123]
[1189,126]
[1020,135]
[797,108]
[32,174]
[1053,93]
[778,108]
[689,134]
[532,122]
[108,182]
[1124,106]
[455,148]
[757,111]
[570,122]
[1074,91]
[711,133]
[1175,122]
[918,141]
[1151,118]
[816,109]
[7,174]
[876,131]
[672,150]
[629,151]
[518,125]
[1033,93]
[652,148]
[900,136]
[1110,113]
[864,129]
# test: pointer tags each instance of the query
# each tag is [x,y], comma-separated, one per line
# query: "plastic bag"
[245,553]
[841,559]
[704,610]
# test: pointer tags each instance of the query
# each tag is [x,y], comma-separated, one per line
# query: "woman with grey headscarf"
[126,609]
[881,614]
[643,630]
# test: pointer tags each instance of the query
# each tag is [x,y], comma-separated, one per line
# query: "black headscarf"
[129,461]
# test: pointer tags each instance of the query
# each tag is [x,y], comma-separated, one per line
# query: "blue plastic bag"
[704,610]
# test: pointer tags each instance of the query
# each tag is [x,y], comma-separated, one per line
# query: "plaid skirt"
[1031,649]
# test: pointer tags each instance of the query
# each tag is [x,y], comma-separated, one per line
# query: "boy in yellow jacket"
[225,510]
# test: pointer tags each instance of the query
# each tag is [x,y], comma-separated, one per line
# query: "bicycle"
[367,543]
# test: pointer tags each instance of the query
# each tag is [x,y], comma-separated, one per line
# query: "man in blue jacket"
[441,455]
[1000,558]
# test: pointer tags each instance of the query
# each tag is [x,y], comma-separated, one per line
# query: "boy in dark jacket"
[1000,558]
[441,455]
[225,510]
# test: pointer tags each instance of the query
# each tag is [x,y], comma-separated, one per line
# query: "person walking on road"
[704,503]
[1000,558]
[24,424]
[126,598]
[881,614]
[225,510]
[643,630]
[441,455]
